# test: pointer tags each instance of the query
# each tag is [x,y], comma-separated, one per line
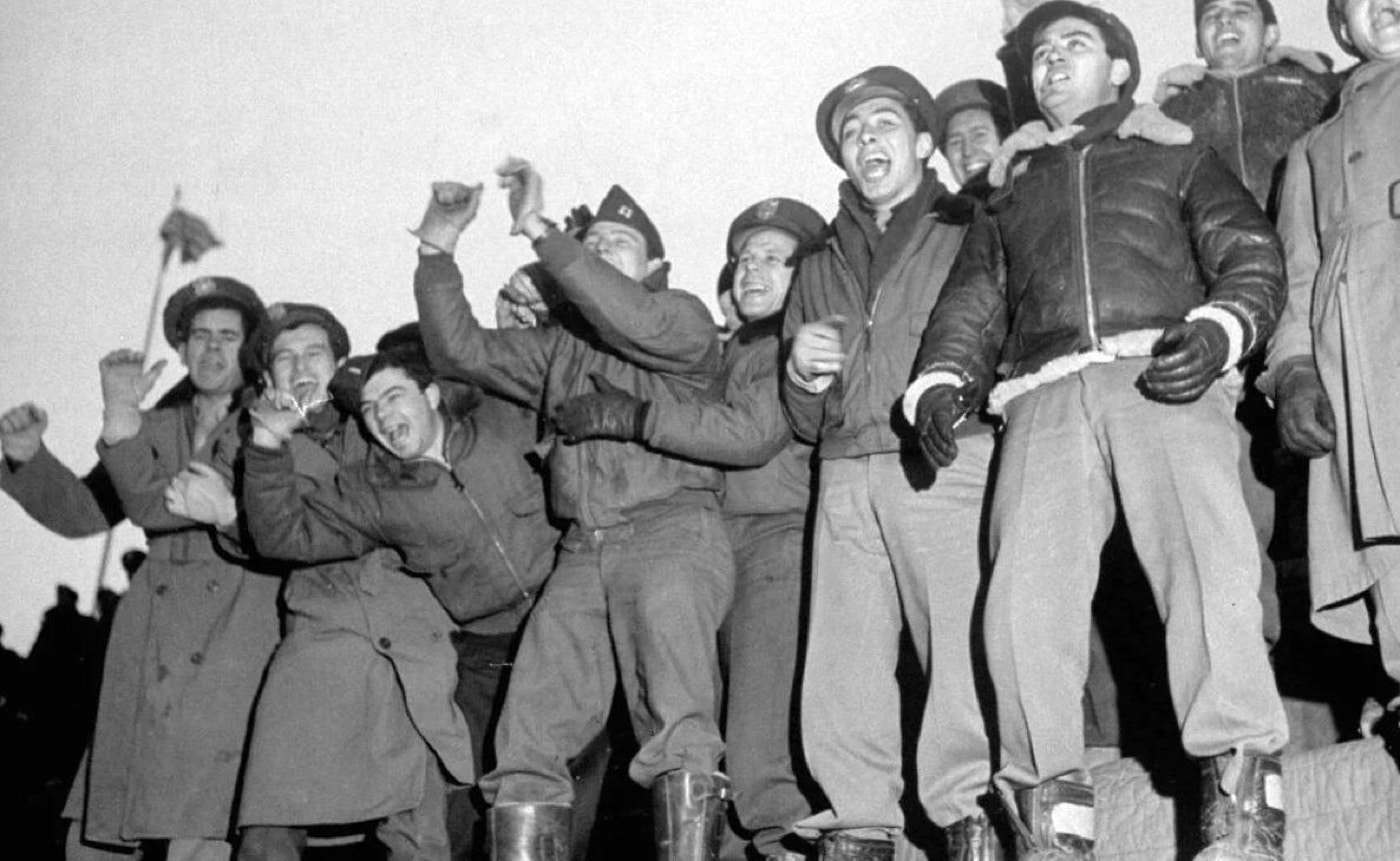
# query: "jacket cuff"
[557,250]
[815,387]
[922,384]
[1230,322]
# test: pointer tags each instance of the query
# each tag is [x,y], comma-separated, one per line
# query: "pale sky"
[306,134]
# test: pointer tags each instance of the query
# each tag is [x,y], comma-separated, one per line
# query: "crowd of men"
[918,433]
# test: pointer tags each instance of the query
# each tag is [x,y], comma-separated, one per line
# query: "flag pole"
[151,317]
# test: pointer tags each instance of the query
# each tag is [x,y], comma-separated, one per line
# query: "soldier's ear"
[654,264]
[1119,71]
[923,146]
[434,395]
[1271,36]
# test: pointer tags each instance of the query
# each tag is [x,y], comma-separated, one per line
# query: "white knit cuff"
[815,386]
[1230,322]
[922,384]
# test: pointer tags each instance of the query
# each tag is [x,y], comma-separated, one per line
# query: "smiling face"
[401,416]
[621,246]
[211,351]
[1232,36]
[763,273]
[1071,72]
[302,362]
[883,152]
[1374,28]
[970,142]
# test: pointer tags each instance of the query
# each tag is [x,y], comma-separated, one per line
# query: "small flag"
[187,232]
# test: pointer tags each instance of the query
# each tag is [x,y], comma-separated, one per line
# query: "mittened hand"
[936,420]
[22,432]
[1306,424]
[1185,361]
[610,413]
[451,207]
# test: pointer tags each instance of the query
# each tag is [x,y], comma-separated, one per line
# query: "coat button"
[384,643]
[212,586]
[197,658]
[1354,157]
[160,590]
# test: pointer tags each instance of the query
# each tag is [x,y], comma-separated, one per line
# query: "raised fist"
[22,432]
[526,191]
[451,207]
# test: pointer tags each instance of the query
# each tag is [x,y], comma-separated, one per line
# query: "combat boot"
[529,832]
[688,814]
[1056,820]
[840,846]
[973,839]
[1242,807]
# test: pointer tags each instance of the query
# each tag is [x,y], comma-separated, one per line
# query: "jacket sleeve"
[58,499]
[746,429]
[667,331]
[970,320]
[806,410]
[510,362]
[293,518]
[141,469]
[1237,248]
[1297,223]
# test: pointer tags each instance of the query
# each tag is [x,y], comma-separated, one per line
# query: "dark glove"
[577,221]
[611,413]
[1306,425]
[939,410]
[1185,361]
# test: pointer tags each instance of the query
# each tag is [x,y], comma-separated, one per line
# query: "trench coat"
[1340,222]
[190,641]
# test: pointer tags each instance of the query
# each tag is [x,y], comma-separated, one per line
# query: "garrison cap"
[619,208]
[776,213]
[975,93]
[889,81]
[1118,39]
[215,291]
[282,316]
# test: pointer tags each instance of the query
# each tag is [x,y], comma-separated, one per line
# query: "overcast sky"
[306,133]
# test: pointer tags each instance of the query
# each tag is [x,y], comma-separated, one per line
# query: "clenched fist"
[22,432]
[451,207]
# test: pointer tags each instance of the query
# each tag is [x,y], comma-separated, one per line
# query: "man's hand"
[817,350]
[611,413]
[1176,79]
[939,410]
[1306,424]
[200,493]
[451,207]
[276,416]
[526,191]
[1185,361]
[124,386]
[22,432]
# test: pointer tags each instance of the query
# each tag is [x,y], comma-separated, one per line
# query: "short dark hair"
[410,359]
[1266,9]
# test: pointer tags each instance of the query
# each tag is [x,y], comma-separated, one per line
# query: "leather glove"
[1306,424]
[937,415]
[610,413]
[451,207]
[577,221]
[525,191]
[1185,361]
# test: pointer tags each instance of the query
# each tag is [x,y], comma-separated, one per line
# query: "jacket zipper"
[1239,129]
[1080,192]
[495,540]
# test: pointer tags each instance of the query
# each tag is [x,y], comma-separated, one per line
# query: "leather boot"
[1243,821]
[839,846]
[1056,820]
[688,813]
[529,832]
[973,839]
